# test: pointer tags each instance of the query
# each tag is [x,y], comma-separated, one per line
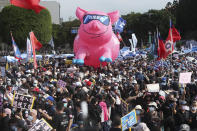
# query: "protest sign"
[61,83]
[176,55]
[128,120]
[153,87]
[185,78]
[124,107]
[22,101]
[42,125]
[69,62]
[2,71]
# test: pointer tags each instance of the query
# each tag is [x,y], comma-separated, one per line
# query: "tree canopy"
[21,21]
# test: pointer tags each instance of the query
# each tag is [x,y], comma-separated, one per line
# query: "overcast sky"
[68,7]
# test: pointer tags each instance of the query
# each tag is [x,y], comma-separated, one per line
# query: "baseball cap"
[138,107]
[134,82]
[50,98]
[153,104]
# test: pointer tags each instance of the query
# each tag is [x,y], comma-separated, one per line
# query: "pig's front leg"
[80,56]
[106,57]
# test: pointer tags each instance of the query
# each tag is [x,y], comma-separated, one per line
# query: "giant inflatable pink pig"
[96,43]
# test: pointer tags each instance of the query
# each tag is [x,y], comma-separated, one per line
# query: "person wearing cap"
[50,109]
[139,112]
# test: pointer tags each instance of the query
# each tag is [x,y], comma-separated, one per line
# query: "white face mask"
[32,71]
[19,84]
[115,87]
[35,84]
[194,108]
[18,75]
[30,118]
[9,83]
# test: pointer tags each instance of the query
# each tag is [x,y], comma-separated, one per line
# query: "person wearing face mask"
[138,109]
[182,115]
[139,75]
[35,83]
[32,118]
[152,118]
[6,115]
[62,121]
[50,109]
[193,116]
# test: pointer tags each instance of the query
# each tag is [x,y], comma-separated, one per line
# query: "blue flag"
[29,50]
[119,25]
[153,47]
[16,49]
[51,43]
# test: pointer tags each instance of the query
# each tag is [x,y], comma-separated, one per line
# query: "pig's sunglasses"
[102,18]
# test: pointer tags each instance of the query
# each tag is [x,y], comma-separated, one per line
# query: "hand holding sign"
[42,125]
[22,101]
[128,120]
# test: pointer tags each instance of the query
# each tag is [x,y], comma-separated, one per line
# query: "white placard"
[185,78]
[153,87]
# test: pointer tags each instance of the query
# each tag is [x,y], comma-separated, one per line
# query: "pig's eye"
[102,18]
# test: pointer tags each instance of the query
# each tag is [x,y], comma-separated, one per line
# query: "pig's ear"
[114,16]
[80,13]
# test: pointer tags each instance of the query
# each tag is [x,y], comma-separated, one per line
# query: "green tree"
[21,21]
[62,33]
[141,24]
[186,18]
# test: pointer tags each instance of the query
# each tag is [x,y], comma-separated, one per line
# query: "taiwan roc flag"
[17,52]
[173,36]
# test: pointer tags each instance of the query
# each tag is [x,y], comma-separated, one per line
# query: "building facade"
[54,8]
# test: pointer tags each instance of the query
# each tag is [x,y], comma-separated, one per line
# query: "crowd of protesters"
[103,90]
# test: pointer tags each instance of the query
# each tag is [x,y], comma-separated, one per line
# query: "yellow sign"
[68,62]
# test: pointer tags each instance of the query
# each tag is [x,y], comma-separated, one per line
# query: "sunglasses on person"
[102,18]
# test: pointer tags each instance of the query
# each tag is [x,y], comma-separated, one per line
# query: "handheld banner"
[128,120]
[42,125]
[153,87]
[68,62]
[61,83]
[23,101]
[185,78]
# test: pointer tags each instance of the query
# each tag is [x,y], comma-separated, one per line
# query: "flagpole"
[157,39]
[171,41]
